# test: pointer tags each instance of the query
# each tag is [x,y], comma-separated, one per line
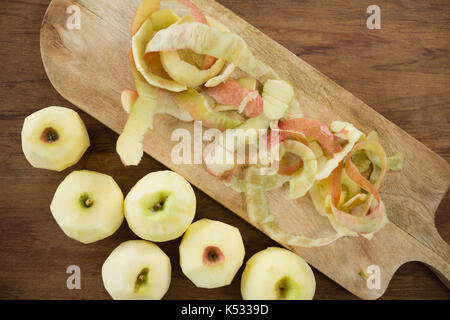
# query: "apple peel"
[314,129]
[127,98]
[343,130]
[226,73]
[164,18]
[231,92]
[258,212]
[129,145]
[303,179]
[198,16]
[144,11]
[207,40]
[139,40]
[185,73]
[215,160]
[197,105]
[361,222]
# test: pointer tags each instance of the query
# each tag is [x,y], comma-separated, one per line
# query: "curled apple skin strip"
[358,221]
[198,107]
[257,208]
[303,179]
[129,145]
[204,39]
[127,98]
[185,73]
[144,11]
[232,93]
[362,224]
[289,164]
[353,173]
[258,212]
[166,105]
[198,16]
[314,129]
[320,194]
[271,226]
[226,73]
[139,41]
[342,130]
[370,145]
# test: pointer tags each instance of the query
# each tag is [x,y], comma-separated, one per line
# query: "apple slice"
[162,19]
[273,108]
[211,253]
[88,206]
[160,206]
[54,138]
[197,105]
[277,274]
[145,9]
[137,270]
[280,90]
[277,96]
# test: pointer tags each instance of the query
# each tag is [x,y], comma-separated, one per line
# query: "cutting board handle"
[440,265]
[443,277]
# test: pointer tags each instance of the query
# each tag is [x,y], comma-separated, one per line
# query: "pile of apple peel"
[195,68]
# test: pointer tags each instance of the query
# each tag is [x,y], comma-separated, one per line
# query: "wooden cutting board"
[89,67]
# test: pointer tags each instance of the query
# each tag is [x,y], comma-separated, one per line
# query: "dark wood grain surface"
[402,71]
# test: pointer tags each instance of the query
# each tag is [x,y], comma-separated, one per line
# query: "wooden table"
[402,71]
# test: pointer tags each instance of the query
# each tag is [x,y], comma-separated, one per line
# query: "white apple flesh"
[211,253]
[160,207]
[279,89]
[54,138]
[277,274]
[137,270]
[277,96]
[88,206]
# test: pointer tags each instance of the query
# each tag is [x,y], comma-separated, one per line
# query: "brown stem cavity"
[49,135]
[287,289]
[155,203]
[86,200]
[213,256]
[141,280]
